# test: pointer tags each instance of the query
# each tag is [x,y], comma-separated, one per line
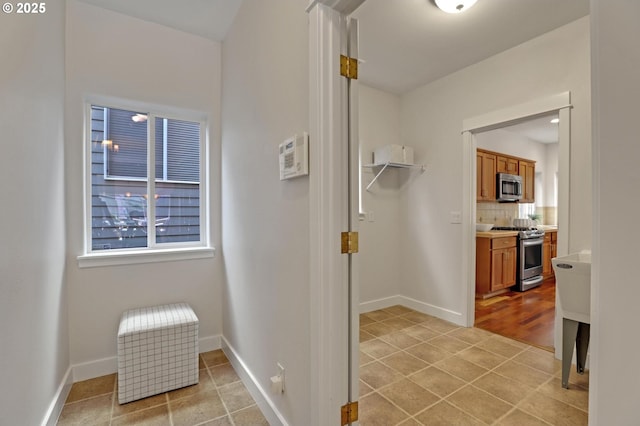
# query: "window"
[121,215]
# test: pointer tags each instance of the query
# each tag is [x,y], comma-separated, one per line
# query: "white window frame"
[153,252]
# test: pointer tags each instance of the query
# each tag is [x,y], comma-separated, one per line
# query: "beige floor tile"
[461,368]
[249,416]
[221,421]
[197,408]
[575,395]
[398,310]
[378,315]
[520,418]
[437,381]
[235,396]
[404,363]
[141,404]
[520,372]
[400,339]
[378,329]
[374,410]
[365,359]
[421,332]
[512,391]
[471,335]
[365,389]
[428,352]
[441,325]
[364,336]
[417,317]
[553,411]
[445,414]
[223,374]
[156,416]
[398,323]
[92,411]
[92,387]
[539,359]
[377,348]
[481,357]
[205,384]
[364,320]
[410,422]
[377,375]
[449,343]
[479,404]
[501,346]
[409,396]
[213,358]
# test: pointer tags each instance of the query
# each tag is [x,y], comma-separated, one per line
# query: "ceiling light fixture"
[455,6]
[554,121]
[139,118]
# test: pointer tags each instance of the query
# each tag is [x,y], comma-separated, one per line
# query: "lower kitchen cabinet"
[496,260]
[549,251]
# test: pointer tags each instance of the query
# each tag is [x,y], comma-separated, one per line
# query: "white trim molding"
[55,408]
[425,308]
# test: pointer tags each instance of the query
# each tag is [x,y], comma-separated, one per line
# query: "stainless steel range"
[529,271]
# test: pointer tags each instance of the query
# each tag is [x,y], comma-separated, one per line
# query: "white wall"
[266,221]
[115,55]
[379,124]
[432,119]
[613,384]
[33,301]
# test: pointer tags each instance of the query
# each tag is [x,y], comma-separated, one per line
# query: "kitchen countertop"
[496,234]
[547,227]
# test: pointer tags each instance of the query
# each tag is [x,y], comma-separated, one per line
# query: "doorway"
[473,127]
[527,316]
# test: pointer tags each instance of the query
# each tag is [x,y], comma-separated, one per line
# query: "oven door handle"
[532,242]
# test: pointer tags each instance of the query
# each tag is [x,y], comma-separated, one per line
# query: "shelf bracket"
[377,175]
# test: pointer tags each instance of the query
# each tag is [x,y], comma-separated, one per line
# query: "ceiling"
[207,18]
[408,43]
[539,129]
[404,44]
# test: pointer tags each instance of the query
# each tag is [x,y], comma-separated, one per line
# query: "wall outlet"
[456,217]
[277,381]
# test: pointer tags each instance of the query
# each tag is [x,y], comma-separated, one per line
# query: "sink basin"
[573,283]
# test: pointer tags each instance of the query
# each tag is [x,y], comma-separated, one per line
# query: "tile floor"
[220,399]
[419,370]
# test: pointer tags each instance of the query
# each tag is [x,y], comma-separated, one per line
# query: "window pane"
[127,131]
[117,206]
[177,167]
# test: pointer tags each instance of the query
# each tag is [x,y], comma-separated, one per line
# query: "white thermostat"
[294,157]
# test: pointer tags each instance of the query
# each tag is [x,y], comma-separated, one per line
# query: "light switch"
[456,217]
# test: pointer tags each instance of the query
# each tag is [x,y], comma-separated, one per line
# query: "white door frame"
[561,103]
[328,194]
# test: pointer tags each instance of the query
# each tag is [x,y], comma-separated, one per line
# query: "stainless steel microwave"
[508,188]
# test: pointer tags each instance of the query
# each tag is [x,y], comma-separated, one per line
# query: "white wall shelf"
[384,167]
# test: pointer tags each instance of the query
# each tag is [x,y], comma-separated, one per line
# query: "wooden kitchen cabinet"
[496,261]
[549,251]
[507,165]
[486,176]
[527,170]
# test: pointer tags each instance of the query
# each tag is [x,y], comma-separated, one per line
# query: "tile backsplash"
[502,214]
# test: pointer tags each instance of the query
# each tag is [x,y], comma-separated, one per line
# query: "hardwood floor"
[527,317]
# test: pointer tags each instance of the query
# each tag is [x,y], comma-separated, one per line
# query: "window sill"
[144,256]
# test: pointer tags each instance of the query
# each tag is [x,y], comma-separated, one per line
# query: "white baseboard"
[425,308]
[104,366]
[266,405]
[55,408]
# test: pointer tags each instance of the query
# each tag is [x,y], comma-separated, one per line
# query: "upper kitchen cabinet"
[527,170]
[486,178]
[507,165]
